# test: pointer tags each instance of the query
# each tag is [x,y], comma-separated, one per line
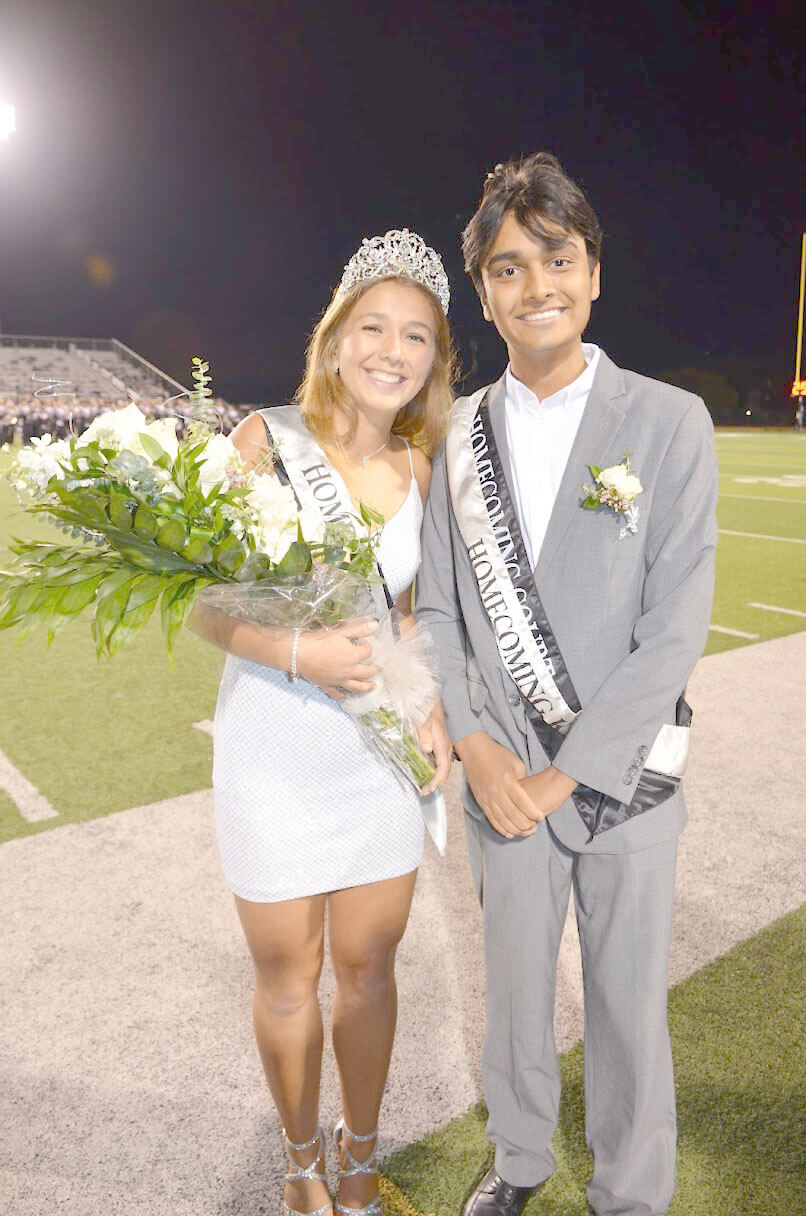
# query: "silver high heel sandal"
[297,1172]
[370,1166]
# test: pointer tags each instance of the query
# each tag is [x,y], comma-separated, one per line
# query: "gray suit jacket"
[630,615]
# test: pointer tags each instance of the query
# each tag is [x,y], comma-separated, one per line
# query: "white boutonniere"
[617,488]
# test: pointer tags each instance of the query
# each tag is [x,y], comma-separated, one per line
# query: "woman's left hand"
[433,738]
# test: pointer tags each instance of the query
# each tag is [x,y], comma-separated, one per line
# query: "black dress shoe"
[494,1197]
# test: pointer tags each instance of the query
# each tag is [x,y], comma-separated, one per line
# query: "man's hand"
[496,777]
[548,790]
[433,737]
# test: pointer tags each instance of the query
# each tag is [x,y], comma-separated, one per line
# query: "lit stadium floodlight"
[8,120]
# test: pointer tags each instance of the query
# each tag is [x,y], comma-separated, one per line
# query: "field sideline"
[80,741]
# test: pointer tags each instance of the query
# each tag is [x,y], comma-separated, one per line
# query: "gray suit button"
[514,699]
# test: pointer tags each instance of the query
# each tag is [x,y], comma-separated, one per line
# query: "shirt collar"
[575,393]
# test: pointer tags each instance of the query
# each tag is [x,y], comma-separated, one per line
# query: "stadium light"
[8,121]
[798,385]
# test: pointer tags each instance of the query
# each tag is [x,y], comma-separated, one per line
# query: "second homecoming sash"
[488,522]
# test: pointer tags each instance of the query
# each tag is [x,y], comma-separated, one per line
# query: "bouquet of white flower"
[156,520]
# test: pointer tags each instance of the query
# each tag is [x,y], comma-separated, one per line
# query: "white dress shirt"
[540,436]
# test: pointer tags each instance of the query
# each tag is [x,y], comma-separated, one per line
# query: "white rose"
[624,484]
[220,455]
[118,429]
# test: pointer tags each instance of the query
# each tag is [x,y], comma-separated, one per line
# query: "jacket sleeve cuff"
[607,774]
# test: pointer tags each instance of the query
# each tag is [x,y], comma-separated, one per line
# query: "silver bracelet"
[293,674]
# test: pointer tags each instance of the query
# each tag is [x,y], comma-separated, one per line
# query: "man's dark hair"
[537,191]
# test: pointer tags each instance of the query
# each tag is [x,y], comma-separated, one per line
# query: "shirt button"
[514,699]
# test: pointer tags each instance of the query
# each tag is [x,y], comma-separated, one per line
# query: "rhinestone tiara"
[398,252]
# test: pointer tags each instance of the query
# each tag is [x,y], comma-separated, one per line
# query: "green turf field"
[762,491]
[741,1107]
[98,737]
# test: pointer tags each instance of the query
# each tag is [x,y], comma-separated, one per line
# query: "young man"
[568,613]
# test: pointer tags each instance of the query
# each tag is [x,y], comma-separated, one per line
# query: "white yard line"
[734,633]
[790,540]
[205,725]
[32,805]
[798,502]
[773,608]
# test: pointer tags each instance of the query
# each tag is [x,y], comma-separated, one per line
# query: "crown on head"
[398,252]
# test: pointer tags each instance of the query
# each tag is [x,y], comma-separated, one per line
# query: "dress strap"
[411,463]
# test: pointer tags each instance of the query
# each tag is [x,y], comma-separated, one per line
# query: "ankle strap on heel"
[297,1172]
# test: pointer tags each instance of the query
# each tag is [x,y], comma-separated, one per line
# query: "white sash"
[477,507]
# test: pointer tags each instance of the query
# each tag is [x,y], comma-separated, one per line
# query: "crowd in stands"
[62,416]
[59,389]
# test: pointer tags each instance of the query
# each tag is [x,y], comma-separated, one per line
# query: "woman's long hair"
[423,422]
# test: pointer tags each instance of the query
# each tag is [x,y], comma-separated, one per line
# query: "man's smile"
[541,316]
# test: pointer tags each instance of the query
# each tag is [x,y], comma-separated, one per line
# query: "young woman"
[308,817]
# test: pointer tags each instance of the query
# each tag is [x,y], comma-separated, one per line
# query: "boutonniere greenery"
[617,488]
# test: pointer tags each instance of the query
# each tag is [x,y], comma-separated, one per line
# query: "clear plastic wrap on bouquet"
[405,689]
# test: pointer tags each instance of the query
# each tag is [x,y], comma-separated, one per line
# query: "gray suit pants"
[624,911]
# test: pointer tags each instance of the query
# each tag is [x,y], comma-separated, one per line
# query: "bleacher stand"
[58,385]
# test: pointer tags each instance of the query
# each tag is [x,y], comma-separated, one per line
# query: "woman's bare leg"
[365,927]
[286,941]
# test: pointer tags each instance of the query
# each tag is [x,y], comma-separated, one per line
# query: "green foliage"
[202,393]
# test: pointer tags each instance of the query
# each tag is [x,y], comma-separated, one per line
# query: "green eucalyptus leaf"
[120,512]
[198,550]
[229,555]
[145,522]
[595,470]
[172,534]
[297,560]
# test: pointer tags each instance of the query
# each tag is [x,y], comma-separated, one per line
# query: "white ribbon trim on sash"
[473,494]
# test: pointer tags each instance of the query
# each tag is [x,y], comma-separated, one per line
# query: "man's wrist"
[466,743]
[561,781]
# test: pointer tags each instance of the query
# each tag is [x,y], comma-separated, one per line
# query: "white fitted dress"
[303,805]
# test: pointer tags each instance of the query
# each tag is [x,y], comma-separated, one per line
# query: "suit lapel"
[595,441]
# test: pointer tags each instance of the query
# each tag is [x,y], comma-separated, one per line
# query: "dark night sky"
[226,159]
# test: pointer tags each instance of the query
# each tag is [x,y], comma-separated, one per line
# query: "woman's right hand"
[339,660]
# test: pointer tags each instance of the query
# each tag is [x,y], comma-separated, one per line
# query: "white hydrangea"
[276,515]
[37,463]
[117,429]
